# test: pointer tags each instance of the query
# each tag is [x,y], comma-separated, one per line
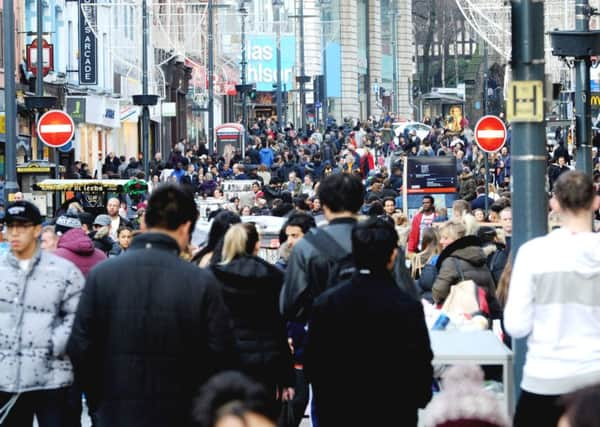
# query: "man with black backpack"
[323,258]
[352,356]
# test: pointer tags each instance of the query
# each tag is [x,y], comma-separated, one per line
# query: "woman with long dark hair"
[211,253]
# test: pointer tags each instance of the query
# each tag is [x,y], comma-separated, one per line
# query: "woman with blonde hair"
[471,224]
[402,228]
[251,288]
[462,258]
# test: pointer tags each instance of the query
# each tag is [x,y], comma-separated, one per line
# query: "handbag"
[466,297]
[286,416]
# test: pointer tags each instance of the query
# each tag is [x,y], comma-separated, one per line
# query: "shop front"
[97,119]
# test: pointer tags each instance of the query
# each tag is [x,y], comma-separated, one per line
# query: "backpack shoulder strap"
[326,244]
[458,268]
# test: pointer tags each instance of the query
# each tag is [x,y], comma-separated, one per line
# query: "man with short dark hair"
[351,326]
[389,206]
[557,169]
[150,327]
[420,222]
[308,268]
[479,201]
[297,225]
[554,302]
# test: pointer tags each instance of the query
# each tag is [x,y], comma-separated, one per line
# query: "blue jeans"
[51,407]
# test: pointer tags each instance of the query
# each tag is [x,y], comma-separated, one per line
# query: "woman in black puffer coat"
[251,288]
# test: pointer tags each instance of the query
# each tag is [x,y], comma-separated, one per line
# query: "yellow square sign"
[525,101]
[2,123]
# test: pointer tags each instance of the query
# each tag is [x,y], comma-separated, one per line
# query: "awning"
[83,185]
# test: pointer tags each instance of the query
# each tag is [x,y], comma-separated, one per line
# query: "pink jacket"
[78,248]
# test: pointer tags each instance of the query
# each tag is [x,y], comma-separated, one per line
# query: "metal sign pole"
[10,101]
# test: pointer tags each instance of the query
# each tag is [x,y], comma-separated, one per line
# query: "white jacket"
[554,299]
[37,309]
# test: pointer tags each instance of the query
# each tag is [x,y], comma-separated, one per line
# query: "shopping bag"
[463,299]
[466,298]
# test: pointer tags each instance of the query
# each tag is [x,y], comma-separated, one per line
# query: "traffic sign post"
[490,134]
[47,57]
[55,128]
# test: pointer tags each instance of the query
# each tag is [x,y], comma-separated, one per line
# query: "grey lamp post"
[145,99]
[10,144]
[211,65]
[277,4]
[39,78]
[325,5]
[303,78]
[211,6]
[244,13]
[394,58]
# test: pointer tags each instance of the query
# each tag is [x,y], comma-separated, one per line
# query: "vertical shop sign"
[88,54]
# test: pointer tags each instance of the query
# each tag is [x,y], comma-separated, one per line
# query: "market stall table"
[475,347]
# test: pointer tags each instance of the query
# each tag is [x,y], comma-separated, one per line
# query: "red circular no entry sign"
[490,133]
[55,128]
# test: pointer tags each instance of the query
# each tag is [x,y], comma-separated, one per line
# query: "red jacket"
[367,164]
[415,230]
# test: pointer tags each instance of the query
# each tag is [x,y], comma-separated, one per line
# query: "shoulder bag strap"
[457,265]
[326,244]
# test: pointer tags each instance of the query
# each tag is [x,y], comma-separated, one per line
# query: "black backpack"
[340,261]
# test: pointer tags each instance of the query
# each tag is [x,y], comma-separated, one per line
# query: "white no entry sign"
[490,133]
[55,128]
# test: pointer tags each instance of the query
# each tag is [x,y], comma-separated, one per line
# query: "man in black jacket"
[366,338]
[309,268]
[150,327]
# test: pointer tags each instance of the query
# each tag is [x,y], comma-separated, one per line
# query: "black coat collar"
[158,241]
[461,243]
[343,220]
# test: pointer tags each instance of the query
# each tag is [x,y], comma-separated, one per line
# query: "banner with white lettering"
[88,53]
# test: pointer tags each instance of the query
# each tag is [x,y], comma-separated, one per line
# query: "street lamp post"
[583,116]
[244,13]
[10,101]
[302,70]
[39,77]
[145,110]
[325,4]
[394,58]
[277,6]
[485,113]
[145,100]
[211,94]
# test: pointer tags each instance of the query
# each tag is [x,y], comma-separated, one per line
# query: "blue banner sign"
[261,53]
